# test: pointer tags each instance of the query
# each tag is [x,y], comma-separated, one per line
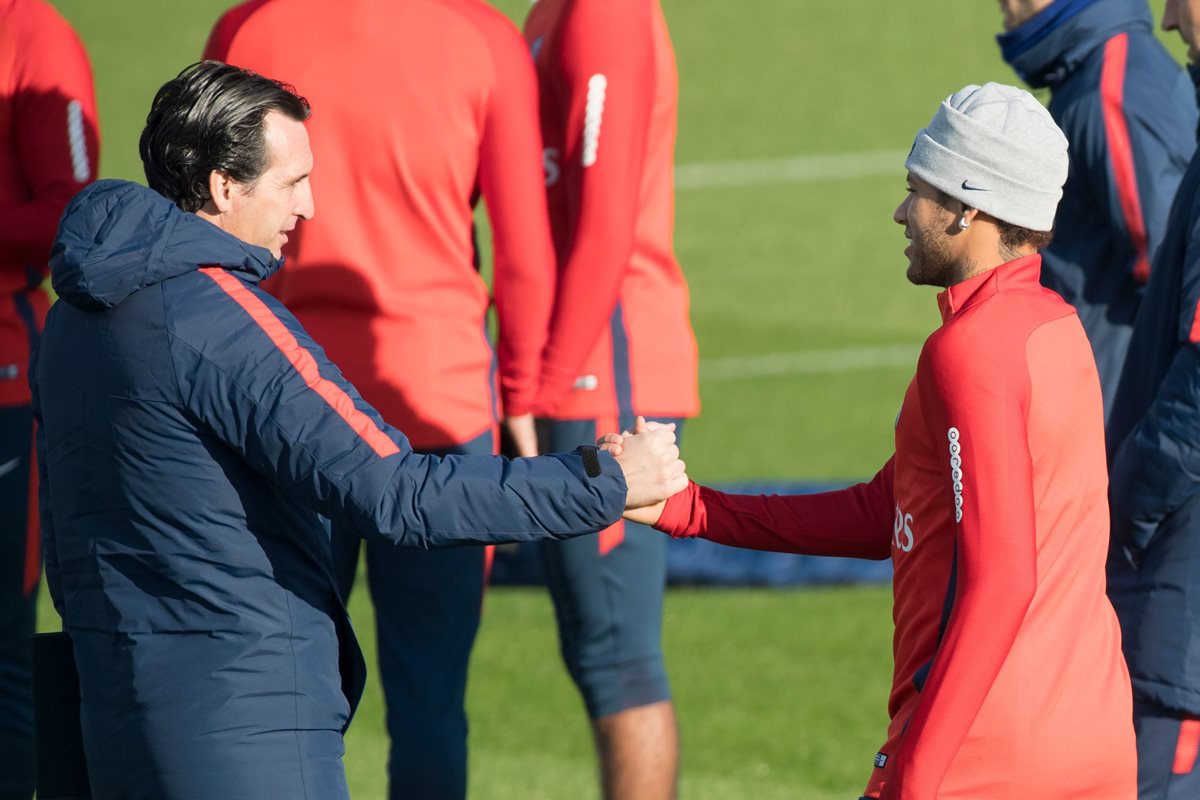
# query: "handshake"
[653,471]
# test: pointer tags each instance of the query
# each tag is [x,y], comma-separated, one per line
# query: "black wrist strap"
[591,459]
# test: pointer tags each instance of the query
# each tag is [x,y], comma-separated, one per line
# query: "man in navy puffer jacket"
[1154,491]
[190,434]
[1126,108]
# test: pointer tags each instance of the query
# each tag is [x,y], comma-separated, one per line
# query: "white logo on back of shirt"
[78,141]
[956,473]
[592,117]
[902,532]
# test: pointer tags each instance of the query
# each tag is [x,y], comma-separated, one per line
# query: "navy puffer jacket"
[191,434]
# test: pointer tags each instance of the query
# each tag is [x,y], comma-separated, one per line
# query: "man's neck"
[974,264]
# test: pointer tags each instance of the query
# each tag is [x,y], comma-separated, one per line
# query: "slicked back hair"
[211,117]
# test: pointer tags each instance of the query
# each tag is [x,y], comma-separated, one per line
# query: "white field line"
[813,362]
[797,169]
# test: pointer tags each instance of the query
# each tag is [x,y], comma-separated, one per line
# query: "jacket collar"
[1025,271]
[117,238]
[1052,44]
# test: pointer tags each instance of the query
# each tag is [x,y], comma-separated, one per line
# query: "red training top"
[48,151]
[1009,680]
[620,340]
[418,107]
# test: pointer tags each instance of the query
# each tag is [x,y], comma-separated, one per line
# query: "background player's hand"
[612,442]
[650,461]
[521,435]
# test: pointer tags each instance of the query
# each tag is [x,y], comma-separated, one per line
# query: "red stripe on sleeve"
[1120,151]
[304,363]
[1187,747]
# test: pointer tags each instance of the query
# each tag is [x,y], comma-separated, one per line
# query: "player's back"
[609,101]
[384,275]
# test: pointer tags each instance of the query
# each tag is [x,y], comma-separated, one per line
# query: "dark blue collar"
[1047,47]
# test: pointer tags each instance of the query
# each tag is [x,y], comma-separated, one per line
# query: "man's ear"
[221,189]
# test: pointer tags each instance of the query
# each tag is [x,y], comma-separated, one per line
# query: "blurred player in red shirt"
[620,344]
[1009,680]
[423,106]
[49,151]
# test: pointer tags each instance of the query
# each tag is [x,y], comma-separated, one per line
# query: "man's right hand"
[650,461]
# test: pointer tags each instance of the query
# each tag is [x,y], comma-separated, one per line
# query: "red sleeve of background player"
[55,134]
[974,393]
[854,522]
[607,52]
[510,176]
[221,37]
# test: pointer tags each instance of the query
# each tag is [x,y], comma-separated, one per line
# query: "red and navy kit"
[424,106]
[1125,106]
[1009,680]
[421,107]
[620,340]
[48,151]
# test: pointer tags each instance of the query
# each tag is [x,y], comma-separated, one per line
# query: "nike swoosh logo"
[972,188]
[9,466]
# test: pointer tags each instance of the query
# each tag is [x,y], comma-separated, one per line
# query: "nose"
[1170,17]
[305,206]
[900,215]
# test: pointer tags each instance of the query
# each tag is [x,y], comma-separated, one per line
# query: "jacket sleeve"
[254,378]
[1157,466]
[853,522]
[54,133]
[45,517]
[975,399]
[607,64]
[510,177]
[1133,147]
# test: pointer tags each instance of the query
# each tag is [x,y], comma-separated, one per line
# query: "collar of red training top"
[1021,271]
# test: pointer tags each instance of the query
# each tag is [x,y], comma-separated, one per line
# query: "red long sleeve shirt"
[1009,680]
[620,339]
[418,108]
[48,152]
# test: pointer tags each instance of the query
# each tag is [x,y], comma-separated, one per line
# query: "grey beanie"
[995,148]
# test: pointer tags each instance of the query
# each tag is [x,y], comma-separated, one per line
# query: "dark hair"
[1014,237]
[210,117]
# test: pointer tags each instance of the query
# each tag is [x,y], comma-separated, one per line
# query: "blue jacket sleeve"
[1133,180]
[253,377]
[1157,466]
[45,518]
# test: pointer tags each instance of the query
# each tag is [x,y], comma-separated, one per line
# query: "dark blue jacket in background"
[1154,480]
[190,432]
[1076,48]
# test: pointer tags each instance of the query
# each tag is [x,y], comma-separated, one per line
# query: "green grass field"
[808,334]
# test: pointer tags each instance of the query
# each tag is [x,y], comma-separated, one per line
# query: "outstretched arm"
[268,391]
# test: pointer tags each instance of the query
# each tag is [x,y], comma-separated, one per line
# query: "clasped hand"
[653,470]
